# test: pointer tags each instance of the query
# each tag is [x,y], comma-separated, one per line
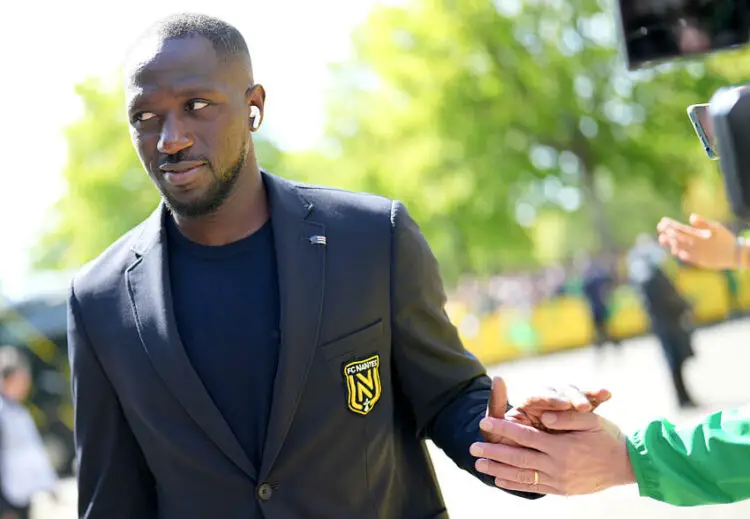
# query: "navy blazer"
[369,364]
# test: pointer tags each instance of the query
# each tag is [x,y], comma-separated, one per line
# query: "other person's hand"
[591,457]
[704,243]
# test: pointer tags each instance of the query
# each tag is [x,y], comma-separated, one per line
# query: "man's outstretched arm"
[447,388]
[591,457]
[699,464]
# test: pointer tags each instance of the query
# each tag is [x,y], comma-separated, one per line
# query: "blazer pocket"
[352,341]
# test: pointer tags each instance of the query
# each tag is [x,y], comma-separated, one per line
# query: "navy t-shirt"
[226,305]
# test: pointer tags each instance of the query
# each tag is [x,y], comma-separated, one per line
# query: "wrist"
[624,475]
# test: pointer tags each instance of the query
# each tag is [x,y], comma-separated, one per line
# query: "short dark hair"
[226,39]
[11,362]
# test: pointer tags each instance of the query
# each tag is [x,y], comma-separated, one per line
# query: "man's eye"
[197,104]
[144,116]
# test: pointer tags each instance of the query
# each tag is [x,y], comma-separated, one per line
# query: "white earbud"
[254,117]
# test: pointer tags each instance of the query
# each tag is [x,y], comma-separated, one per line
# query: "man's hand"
[531,410]
[590,458]
[703,243]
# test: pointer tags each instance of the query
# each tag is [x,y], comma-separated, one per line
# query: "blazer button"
[265,491]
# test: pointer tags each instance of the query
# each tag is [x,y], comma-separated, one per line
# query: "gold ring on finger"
[536,477]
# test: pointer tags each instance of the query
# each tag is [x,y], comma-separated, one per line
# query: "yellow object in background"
[707,292]
[565,322]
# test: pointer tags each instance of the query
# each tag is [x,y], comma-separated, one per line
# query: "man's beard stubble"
[214,197]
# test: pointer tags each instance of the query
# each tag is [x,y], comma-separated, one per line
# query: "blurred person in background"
[25,469]
[646,248]
[669,313]
[597,285]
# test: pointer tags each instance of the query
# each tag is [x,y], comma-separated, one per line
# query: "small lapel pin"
[316,239]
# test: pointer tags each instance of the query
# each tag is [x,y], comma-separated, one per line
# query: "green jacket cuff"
[645,472]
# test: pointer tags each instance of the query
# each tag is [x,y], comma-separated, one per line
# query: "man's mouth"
[181,173]
[181,167]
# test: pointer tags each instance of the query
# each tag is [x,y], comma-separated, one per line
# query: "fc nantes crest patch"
[363,384]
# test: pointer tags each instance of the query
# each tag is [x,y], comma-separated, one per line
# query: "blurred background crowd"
[536,165]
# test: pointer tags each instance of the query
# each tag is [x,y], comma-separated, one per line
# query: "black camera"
[656,31]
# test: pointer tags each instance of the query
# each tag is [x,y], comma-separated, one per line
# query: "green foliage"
[483,116]
[108,191]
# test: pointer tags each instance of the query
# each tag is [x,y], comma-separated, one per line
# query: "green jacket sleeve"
[701,464]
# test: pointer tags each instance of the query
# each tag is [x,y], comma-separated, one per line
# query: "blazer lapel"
[300,256]
[151,299]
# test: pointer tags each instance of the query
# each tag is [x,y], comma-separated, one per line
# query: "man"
[25,469]
[669,313]
[597,288]
[257,348]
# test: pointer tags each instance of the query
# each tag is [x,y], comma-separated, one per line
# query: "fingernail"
[485,425]
[482,465]
[476,450]
[549,418]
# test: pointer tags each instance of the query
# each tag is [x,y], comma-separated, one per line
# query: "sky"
[47,47]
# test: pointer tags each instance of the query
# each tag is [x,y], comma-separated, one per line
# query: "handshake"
[552,444]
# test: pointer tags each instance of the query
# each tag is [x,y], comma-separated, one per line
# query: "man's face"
[189,120]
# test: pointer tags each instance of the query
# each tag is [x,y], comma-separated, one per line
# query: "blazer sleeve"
[113,479]
[430,359]
[445,386]
[701,464]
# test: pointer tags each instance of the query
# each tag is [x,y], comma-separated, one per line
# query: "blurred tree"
[108,191]
[490,119]
[483,115]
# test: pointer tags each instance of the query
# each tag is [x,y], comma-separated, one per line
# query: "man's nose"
[174,137]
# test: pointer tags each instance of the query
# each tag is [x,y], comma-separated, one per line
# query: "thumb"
[699,222]
[570,421]
[498,399]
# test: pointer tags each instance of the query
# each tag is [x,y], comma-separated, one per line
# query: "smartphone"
[703,125]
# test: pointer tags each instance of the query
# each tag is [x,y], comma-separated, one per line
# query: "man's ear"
[255,99]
